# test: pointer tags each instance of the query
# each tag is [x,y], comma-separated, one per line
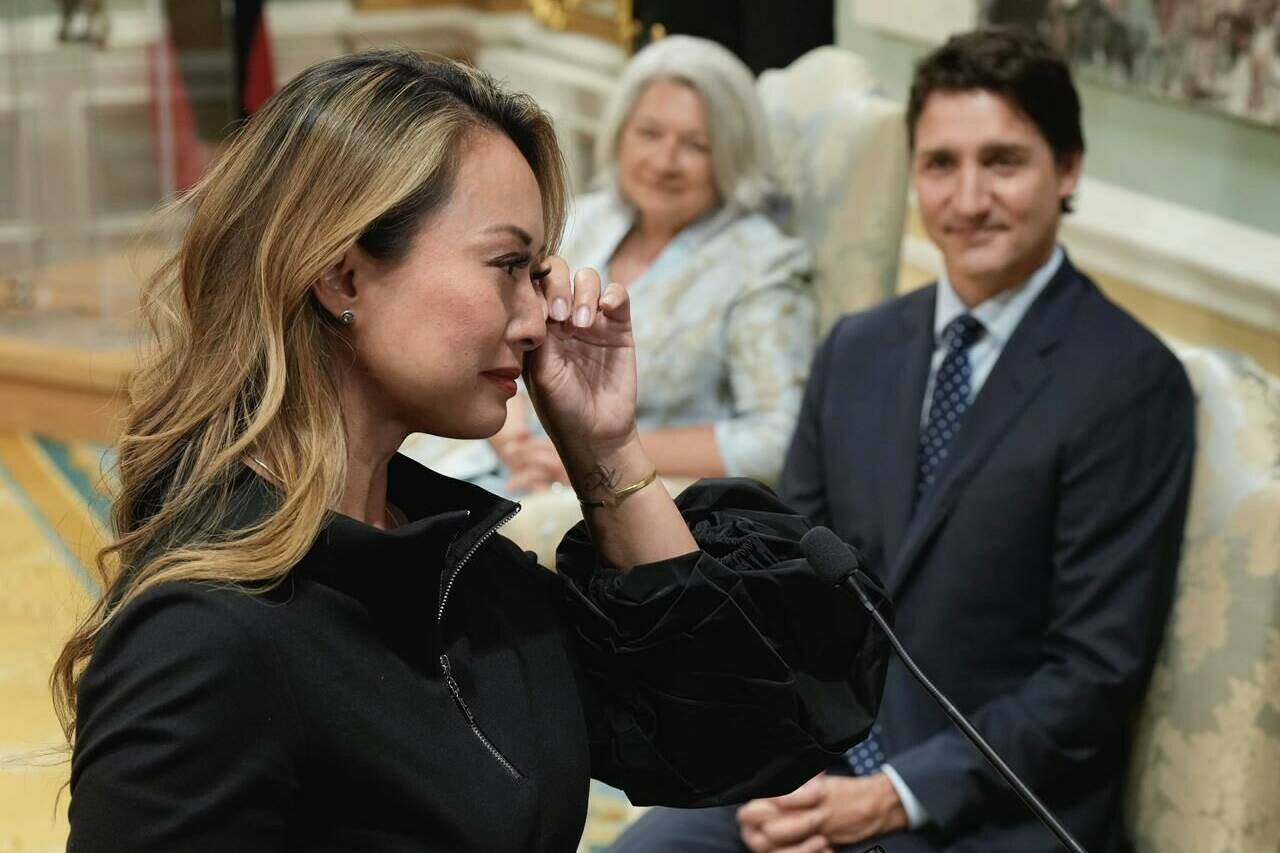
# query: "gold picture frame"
[609,20]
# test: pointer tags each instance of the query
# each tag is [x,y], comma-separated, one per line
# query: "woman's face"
[439,337]
[664,156]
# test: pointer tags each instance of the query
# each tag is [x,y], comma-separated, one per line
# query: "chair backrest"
[841,153]
[1205,772]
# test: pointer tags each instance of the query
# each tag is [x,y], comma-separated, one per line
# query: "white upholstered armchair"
[1205,771]
[840,151]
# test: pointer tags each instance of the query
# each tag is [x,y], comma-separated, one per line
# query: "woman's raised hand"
[582,380]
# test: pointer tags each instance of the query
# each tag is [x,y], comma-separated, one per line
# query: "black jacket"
[431,688]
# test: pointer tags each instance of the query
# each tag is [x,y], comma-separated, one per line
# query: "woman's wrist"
[600,472]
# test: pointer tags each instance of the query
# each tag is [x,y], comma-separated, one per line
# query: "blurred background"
[110,107]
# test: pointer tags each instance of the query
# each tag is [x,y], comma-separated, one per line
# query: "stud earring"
[347,317]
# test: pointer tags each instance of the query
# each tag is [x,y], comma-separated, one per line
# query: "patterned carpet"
[53,516]
[52,521]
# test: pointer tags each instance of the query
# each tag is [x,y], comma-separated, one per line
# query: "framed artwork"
[1220,54]
[919,20]
[1223,55]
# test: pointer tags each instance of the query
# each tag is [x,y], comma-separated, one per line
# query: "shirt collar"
[1001,313]
[450,516]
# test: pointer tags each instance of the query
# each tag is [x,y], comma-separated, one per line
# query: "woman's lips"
[504,379]
[663,187]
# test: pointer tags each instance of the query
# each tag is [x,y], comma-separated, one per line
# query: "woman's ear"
[335,289]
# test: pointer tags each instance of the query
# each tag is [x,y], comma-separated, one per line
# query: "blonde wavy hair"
[355,151]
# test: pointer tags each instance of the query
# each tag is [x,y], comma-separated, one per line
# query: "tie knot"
[962,332]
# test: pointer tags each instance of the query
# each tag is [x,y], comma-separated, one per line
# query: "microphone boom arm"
[1026,794]
[833,560]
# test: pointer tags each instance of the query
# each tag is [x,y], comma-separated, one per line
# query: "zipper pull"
[454,691]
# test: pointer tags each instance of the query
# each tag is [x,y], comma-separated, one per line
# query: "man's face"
[989,189]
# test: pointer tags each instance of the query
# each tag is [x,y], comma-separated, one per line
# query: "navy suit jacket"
[1033,582]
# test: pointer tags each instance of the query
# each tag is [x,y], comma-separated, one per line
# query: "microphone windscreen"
[830,557]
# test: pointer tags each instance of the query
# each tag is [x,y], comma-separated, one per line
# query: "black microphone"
[840,565]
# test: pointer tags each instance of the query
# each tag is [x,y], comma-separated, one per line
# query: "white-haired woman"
[724,318]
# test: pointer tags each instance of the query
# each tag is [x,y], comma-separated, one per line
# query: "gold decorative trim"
[482,5]
[587,17]
[562,15]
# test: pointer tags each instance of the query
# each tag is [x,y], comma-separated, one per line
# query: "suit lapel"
[903,396]
[1020,374]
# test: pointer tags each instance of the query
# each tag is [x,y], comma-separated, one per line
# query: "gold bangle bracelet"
[621,494]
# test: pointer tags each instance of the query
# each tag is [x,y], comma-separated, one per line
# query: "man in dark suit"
[1012,453]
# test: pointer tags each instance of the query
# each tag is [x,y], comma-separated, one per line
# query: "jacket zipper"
[446,587]
[471,720]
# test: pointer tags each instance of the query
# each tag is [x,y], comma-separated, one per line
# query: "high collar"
[397,574]
[432,503]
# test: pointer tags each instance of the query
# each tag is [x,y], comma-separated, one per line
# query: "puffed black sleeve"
[729,673]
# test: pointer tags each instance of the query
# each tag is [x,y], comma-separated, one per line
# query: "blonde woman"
[307,642]
[724,318]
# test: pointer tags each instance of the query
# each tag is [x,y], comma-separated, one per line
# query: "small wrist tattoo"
[600,477]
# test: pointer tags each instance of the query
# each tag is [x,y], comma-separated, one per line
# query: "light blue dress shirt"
[1000,316]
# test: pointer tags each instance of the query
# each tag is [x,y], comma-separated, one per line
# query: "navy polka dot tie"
[866,758]
[952,389]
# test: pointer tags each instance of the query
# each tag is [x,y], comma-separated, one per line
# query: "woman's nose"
[529,326]
[669,155]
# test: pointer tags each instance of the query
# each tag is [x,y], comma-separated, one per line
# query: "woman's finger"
[527,481]
[556,288]
[586,296]
[516,452]
[538,451]
[616,302]
[538,464]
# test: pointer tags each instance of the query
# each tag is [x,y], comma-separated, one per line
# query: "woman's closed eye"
[701,146]
[511,263]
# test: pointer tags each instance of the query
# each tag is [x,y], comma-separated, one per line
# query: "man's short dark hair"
[1019,66]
